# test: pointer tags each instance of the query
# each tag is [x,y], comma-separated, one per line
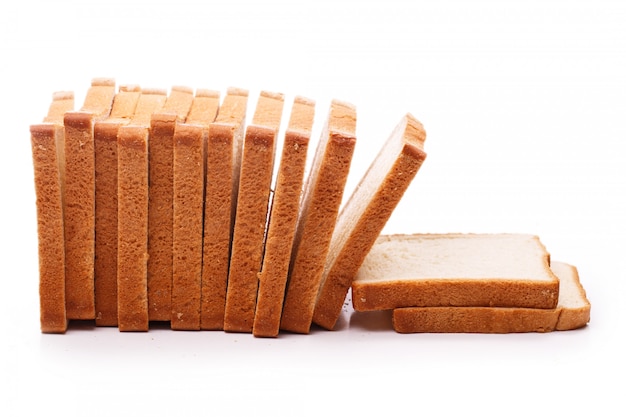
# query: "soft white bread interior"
[504,270]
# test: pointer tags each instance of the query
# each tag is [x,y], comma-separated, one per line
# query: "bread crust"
[44,141]
[365,215]
[318,214]
[105,147]
[282,220]
[223,159]
[257,167]
[132,256]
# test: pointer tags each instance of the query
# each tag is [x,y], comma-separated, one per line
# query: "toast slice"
[132,243]
[47,151]
[572,312]
[366,213]
[472,270]
[105,146]
[79,210]
[318,214]
[189,171]
[282,219]
[257,166]
[161,211]
[223,161]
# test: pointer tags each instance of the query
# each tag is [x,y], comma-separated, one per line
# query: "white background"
[524,103]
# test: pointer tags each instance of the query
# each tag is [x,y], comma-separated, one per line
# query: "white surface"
[524,105]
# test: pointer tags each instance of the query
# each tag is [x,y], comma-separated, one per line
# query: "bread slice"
[473,270]
[161,209]
[318,214]
[572,312]
[366,213]
[189,161]
[223,161]
[132,262]
[47,149]
[257,166]
[79,210]
[105,146]
[282,219]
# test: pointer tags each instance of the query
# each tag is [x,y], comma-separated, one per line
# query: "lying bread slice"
[132,243]
[47,148]
[257,166]
[282,220]
[223,162]
[105,147]
[80,198]
[572,312]
[318,213]
[365,214]
[161,211]
[473,270]
[188,199]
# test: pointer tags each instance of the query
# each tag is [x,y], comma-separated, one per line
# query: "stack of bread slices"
[165,206]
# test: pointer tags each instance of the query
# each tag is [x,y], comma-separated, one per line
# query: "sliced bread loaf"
[79,195]
[47,149]
[572,312]
[223,162]
[189,161]
[257,166]
[105,145]
[132,242]
[427,270]
[365,214]
[318,213]
[282,219]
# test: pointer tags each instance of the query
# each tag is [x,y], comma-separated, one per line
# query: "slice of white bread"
[318,213]
[223,161]
[132,241]
[79,198]
[105,146]
[282,220]
[474,270]
[257,166]
[572,312]
[365,214]
[189,160]
[161,208]
[47,149]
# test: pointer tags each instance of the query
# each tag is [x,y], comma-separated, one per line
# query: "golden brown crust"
[132,228]
[187,231]
[222,182]
[44,140]
[364,216]
[283,217]
[252,204]
[318,214]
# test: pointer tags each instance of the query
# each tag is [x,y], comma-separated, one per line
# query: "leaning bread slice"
[318,213]
[222,183]
[47,148]
[257,166]
[473,270]
[365,214]
[188,202]
[105,146]
[282,219]
[161,211]
[132,240]
[572,312]
[79,210]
